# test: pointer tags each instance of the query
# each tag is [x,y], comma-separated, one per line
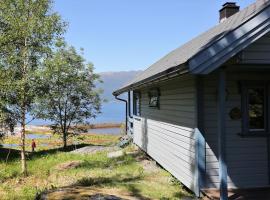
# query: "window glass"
[153,102]
[154,98]
[256,108]
[137,104]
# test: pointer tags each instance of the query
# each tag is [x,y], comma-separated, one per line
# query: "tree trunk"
[23,156]
[65,140]
[23,109]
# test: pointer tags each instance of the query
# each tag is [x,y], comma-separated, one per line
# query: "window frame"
[154,92]
[136,110]
[245,86]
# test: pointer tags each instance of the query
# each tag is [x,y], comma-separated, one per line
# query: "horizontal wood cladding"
[247,158]
[167,133]
[172,146]
[258,52]
[177,102]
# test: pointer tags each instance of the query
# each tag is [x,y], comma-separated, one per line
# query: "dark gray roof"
[184,53]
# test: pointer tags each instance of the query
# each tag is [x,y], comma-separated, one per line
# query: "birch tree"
[70,96]
[28,31]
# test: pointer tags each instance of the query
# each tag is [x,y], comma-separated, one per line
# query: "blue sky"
[121,35]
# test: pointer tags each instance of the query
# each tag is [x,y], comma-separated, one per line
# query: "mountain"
[113,111]
[113,81]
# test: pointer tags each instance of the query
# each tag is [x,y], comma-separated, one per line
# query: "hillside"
[114,80]
[112,111]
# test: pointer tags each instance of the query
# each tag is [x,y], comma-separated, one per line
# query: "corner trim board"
[199,162]
[222,135]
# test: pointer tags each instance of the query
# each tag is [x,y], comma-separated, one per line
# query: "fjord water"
[111,112]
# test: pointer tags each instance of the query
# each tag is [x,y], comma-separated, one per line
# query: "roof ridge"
[248,17]
[188,50]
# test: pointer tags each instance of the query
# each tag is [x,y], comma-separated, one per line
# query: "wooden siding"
[258,52]
[167,133]
[247,158]
[177,102]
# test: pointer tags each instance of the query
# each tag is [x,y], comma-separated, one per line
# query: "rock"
[132,153]
[135,147]
[120,162]
[124,141]
[104,197]
[91,149]
[149,166]
[89,193]
[115,154]
[68,165]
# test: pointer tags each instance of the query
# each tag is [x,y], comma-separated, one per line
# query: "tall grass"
[95,171]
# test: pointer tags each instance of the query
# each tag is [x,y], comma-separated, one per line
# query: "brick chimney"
[228,9]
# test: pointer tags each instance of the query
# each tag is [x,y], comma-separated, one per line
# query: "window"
[254,108]
[137,103]
[153,95]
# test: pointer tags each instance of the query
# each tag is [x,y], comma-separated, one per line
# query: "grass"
[55,141]
[124,175]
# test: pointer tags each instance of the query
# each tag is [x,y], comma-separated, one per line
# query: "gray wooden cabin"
[203,110]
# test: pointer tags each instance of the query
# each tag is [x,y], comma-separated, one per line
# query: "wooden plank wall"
[247,157]
[258,52]
[167,133]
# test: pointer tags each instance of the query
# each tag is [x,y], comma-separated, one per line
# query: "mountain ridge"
[112,80]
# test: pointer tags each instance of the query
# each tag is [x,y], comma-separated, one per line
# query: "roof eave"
[226,47]
[172,72]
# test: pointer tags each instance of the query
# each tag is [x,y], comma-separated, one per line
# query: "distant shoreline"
[45,129]
[100,125]
[90,126]
[104,125]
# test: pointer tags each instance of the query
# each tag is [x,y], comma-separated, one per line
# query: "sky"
[123,35]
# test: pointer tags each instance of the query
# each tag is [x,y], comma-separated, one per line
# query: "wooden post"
[200,140]
[200,162]
[129,115]
[222,135]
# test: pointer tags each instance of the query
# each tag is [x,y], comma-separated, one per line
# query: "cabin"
[203,111]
